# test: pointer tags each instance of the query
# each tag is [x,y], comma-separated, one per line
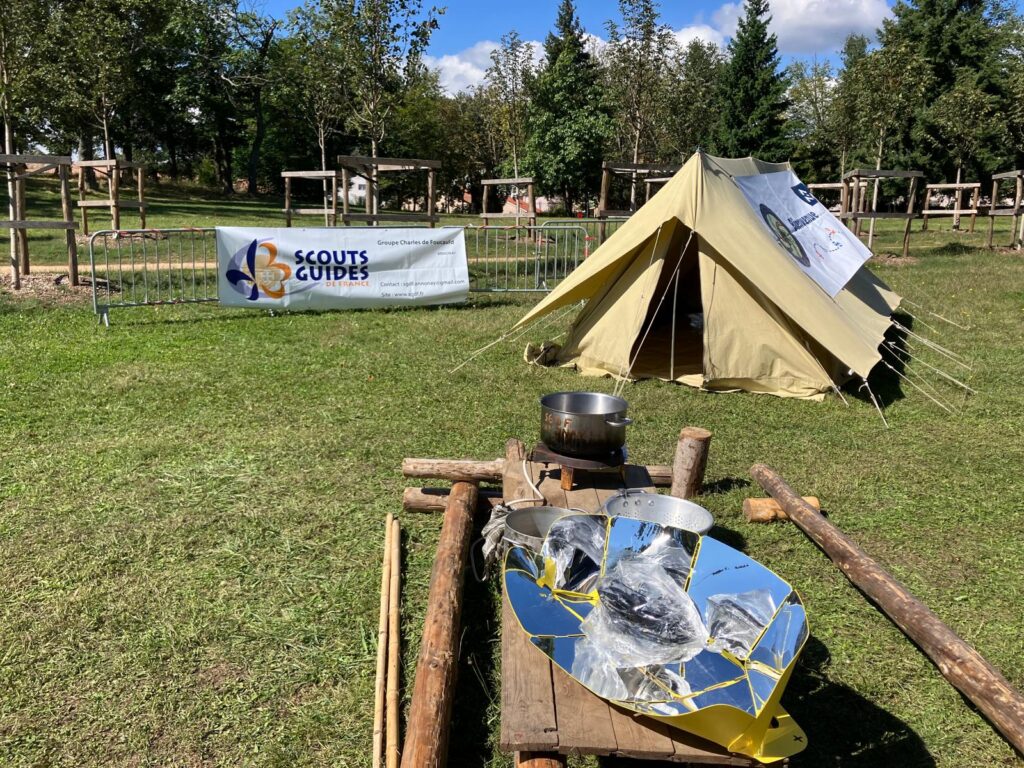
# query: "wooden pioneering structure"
[525,181]
[17,170]
[330,207]
[956,211]
[651,173]
[370,168]
[113,171]
[545,715]
[1017,228]
[853,205]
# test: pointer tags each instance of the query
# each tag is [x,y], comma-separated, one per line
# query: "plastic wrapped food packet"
[575,544]
[597,670]
[735,621]
[644,617]
[667,552]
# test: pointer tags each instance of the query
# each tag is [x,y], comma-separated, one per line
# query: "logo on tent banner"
[784,236]
[801,191]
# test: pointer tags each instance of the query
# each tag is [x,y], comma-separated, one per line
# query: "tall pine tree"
[753,90]
[569,123]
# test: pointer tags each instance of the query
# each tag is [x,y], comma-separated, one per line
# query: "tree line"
[215,91]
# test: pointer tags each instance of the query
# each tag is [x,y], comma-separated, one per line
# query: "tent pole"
[672,352]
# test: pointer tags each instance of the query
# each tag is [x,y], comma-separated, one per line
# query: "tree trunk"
[632,181]
[12,196]
[958,199]
[322,141]
[874,196]
[108,149]
[257,144]
[376,180]
[87,151]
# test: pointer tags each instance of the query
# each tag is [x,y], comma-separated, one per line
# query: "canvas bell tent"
[732,277]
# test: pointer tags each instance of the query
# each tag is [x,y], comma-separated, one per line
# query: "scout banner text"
[294,268]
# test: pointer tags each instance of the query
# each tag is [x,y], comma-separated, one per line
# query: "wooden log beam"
[426,740]
[491,471]
[690,461]
[454,469]
[436,499]
[965,668]
[768,510]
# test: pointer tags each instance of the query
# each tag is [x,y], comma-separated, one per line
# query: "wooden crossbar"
[37,225]
[309,174]
[871,173]
[389,163]
[23,159]
[965,185]
[495,182]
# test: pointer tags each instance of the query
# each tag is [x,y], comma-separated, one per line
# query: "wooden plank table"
[543,710]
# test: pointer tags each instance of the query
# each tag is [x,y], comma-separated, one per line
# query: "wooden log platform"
[544,712]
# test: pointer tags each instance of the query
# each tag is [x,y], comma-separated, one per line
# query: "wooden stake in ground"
[690,461]
[958,662]
[426,739]
[394,639]
[382,648]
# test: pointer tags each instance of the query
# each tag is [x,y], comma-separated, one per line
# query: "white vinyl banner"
[828,252]
[358,267]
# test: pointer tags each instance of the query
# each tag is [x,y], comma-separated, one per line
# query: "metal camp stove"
[568,465]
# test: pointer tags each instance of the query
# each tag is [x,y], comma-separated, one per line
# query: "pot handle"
[623,422]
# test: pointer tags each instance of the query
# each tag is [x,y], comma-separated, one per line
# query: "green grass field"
[192,504]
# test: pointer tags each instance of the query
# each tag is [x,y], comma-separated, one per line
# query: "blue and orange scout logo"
[255,272]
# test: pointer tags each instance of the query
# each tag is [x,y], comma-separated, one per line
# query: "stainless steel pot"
[664,510]
[528,527]
[585,424]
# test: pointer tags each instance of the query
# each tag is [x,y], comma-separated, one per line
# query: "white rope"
[933,314]
[919,389]
[679,263]
[932,345]
[535,324]
[928,365]
[639,308]
[873,400]
[841,395]
[917,319]
[905,362]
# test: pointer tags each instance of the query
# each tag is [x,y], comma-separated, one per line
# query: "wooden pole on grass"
[426,739]
[959,663]
[394,638]
[690,461]
[382,648]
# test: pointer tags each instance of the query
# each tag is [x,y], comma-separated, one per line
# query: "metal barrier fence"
[523,259]
[150,267]
[598,230]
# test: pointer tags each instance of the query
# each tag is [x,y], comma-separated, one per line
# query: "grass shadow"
[843,728]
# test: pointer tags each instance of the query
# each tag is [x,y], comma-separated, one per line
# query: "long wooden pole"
[426,740]
[490,471]
[382,648]
[959,663]
[394,639]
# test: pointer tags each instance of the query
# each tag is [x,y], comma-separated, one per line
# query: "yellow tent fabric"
[759,323]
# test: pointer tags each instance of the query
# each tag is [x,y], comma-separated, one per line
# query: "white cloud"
[811,26]
[461,71]
[704,32]
[802,26]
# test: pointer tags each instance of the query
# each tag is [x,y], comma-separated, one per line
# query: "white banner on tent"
[298,268]
[828,252]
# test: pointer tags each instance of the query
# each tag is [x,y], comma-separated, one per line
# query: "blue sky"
[470,29]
